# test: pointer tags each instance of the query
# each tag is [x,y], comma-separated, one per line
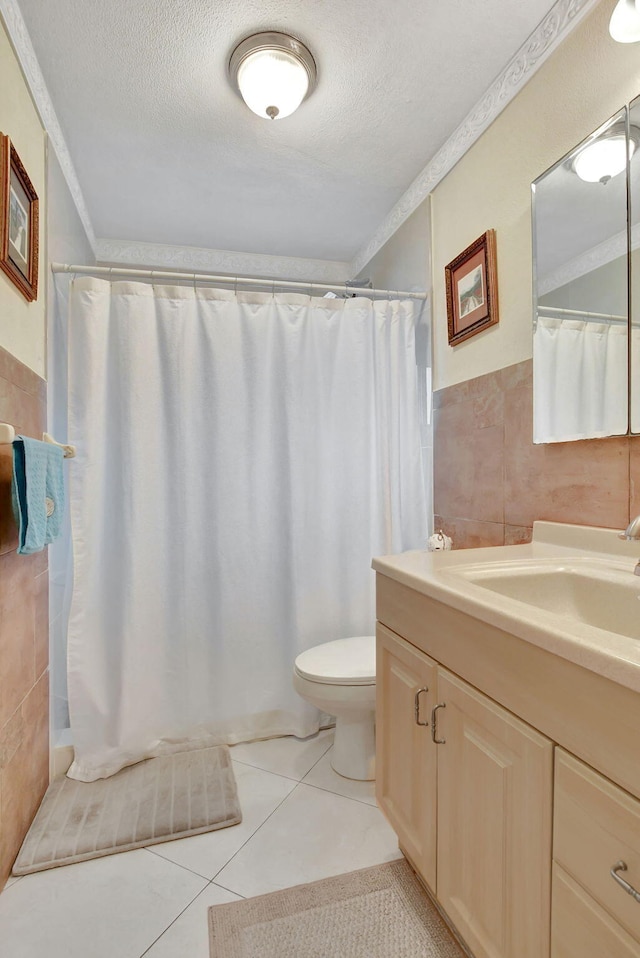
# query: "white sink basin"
[595,592]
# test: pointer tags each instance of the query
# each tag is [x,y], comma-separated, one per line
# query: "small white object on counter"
[438,542]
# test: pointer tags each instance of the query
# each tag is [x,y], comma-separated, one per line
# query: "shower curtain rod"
[585,314]
[231,280]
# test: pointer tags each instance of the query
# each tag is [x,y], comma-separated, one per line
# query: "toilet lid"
[342,662]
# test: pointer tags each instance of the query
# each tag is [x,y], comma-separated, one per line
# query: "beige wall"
[404,262]
[584,82]
[22,324]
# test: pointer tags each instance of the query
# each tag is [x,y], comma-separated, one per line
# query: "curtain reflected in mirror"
[580,341]
[580,368]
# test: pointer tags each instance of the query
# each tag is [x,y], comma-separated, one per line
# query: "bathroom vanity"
[508,738]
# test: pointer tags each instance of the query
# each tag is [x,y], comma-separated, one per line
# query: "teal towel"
[38,493]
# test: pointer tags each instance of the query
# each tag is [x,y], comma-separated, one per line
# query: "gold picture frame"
[472,289]
[19,222]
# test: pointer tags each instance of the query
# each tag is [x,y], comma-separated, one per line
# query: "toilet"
[339,678]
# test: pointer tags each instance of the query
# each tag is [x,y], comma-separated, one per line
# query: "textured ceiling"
[166,152]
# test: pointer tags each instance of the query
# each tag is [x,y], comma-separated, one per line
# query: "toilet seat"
[349,661]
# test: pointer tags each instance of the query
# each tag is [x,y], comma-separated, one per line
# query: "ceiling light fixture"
[624,25]
[273,73]
[606,156]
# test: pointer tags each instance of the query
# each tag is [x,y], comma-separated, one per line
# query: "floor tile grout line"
[290,778]
[192,902]
[323,788]
[330,790]
[248,839]
[224,888]
[261,825]
[327,749]
[171,923]
[150,849]
[318,788]
[259,768]
[16,879]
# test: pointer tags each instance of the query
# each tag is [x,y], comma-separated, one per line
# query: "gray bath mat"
[155,801]
[380,912]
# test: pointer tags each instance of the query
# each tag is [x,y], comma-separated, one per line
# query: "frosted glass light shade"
[624,25]
[273,72]
[273,83]
[603,159]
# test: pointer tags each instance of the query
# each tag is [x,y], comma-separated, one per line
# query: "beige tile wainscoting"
[491,482]
[24,633]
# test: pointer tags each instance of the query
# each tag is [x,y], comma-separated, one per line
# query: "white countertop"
[610,654]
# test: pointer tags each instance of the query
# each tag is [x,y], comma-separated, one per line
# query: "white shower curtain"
[580,379]
[240,460]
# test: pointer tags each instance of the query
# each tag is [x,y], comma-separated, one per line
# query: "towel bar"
[8,434]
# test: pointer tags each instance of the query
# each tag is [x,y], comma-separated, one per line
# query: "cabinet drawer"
[597,824]
[580,928]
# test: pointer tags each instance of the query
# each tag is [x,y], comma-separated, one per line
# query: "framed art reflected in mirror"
[18,222]
[472,289]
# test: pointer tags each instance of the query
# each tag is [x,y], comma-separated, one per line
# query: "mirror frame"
[563,161]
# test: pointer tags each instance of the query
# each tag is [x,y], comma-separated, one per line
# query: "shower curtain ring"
[310,290]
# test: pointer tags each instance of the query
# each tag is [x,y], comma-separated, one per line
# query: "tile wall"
[491,482]
[24,633]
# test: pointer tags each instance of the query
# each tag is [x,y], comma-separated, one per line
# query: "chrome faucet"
[633,532]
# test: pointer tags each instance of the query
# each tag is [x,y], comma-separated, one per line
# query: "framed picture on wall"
[472,289]
[18,222]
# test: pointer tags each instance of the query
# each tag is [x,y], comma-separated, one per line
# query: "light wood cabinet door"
[405,754]
[580,928]
[494,824]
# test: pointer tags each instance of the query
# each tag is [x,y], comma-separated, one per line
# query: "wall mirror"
[581,277]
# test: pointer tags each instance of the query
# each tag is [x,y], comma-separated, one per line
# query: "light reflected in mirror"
[580,340]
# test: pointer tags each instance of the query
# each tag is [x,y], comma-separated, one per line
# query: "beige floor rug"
[155,801]
[380,912]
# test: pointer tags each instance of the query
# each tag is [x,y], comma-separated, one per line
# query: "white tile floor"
[301,822]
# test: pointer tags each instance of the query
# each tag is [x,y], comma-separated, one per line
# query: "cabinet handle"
[630,890]
[434,726]
[417,705]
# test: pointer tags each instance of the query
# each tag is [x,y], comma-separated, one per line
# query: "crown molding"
[193,258]
[556,26]
[606,252]
[610,249]
[21,41]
